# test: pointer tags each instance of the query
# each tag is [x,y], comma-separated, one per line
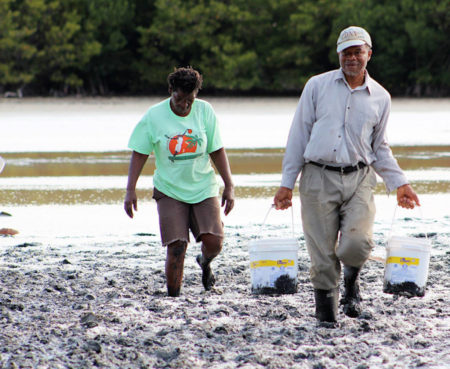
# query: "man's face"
[181,102]
[353,60]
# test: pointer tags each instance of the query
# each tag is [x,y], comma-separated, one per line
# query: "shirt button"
[334,150]
[339,136]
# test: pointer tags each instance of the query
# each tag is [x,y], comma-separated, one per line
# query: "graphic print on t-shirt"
[182,145]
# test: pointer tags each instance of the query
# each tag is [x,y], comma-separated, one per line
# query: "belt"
[343,170]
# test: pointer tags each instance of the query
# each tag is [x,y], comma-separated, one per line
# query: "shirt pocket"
[363,121]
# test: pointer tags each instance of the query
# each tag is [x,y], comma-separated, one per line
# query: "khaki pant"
[338,212]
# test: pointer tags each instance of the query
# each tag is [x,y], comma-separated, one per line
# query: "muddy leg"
[176,252]
[211,247]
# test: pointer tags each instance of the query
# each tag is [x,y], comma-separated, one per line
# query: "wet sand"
[83,302]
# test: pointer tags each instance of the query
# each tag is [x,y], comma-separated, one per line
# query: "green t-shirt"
[181,146]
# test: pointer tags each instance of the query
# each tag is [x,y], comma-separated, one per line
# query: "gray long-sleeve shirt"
[337,125]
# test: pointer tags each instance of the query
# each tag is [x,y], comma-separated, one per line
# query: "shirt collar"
[367,80]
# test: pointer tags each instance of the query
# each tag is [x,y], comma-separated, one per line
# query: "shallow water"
[70,178]
[88,176]
[87,125]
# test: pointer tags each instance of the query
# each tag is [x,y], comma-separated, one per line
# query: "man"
[338,141]
[183,133]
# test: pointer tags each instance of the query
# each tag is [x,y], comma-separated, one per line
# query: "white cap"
[353,36]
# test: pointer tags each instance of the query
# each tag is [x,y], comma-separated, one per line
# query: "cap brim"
[349,43]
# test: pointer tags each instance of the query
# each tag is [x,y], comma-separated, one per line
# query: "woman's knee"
[211,243]
[177,249]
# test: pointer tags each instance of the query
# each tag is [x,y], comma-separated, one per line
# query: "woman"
[183,134]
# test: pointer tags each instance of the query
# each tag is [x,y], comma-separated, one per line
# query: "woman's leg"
[176,252]
[174,228]
[211,247]
[207,228]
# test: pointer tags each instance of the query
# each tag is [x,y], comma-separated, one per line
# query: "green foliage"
[65,48]
[111,24]
[271,46]
[16,51]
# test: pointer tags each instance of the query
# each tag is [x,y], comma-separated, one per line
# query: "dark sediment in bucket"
[408,289]
[284,284]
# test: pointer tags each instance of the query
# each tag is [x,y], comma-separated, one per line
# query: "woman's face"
[181,102]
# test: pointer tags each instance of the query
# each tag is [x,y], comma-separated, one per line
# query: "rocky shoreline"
[74,307]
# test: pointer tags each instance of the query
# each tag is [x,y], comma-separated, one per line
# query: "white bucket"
[274,265]
[406,269]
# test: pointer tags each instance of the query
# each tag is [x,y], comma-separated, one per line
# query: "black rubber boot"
[351,301]
[326,304]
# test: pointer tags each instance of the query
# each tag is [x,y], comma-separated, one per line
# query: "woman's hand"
[220,160]
[137,162]
[228,199]
[130,202]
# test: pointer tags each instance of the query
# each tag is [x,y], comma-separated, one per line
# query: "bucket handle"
[394,217]
[2,164]
[292,218]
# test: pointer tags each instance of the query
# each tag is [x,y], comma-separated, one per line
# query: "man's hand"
[283,198]
[228,199]
[406,197]
[130,202]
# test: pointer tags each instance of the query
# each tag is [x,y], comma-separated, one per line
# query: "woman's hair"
[186,79]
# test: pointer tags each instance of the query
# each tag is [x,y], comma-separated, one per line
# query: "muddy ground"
[102,307]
